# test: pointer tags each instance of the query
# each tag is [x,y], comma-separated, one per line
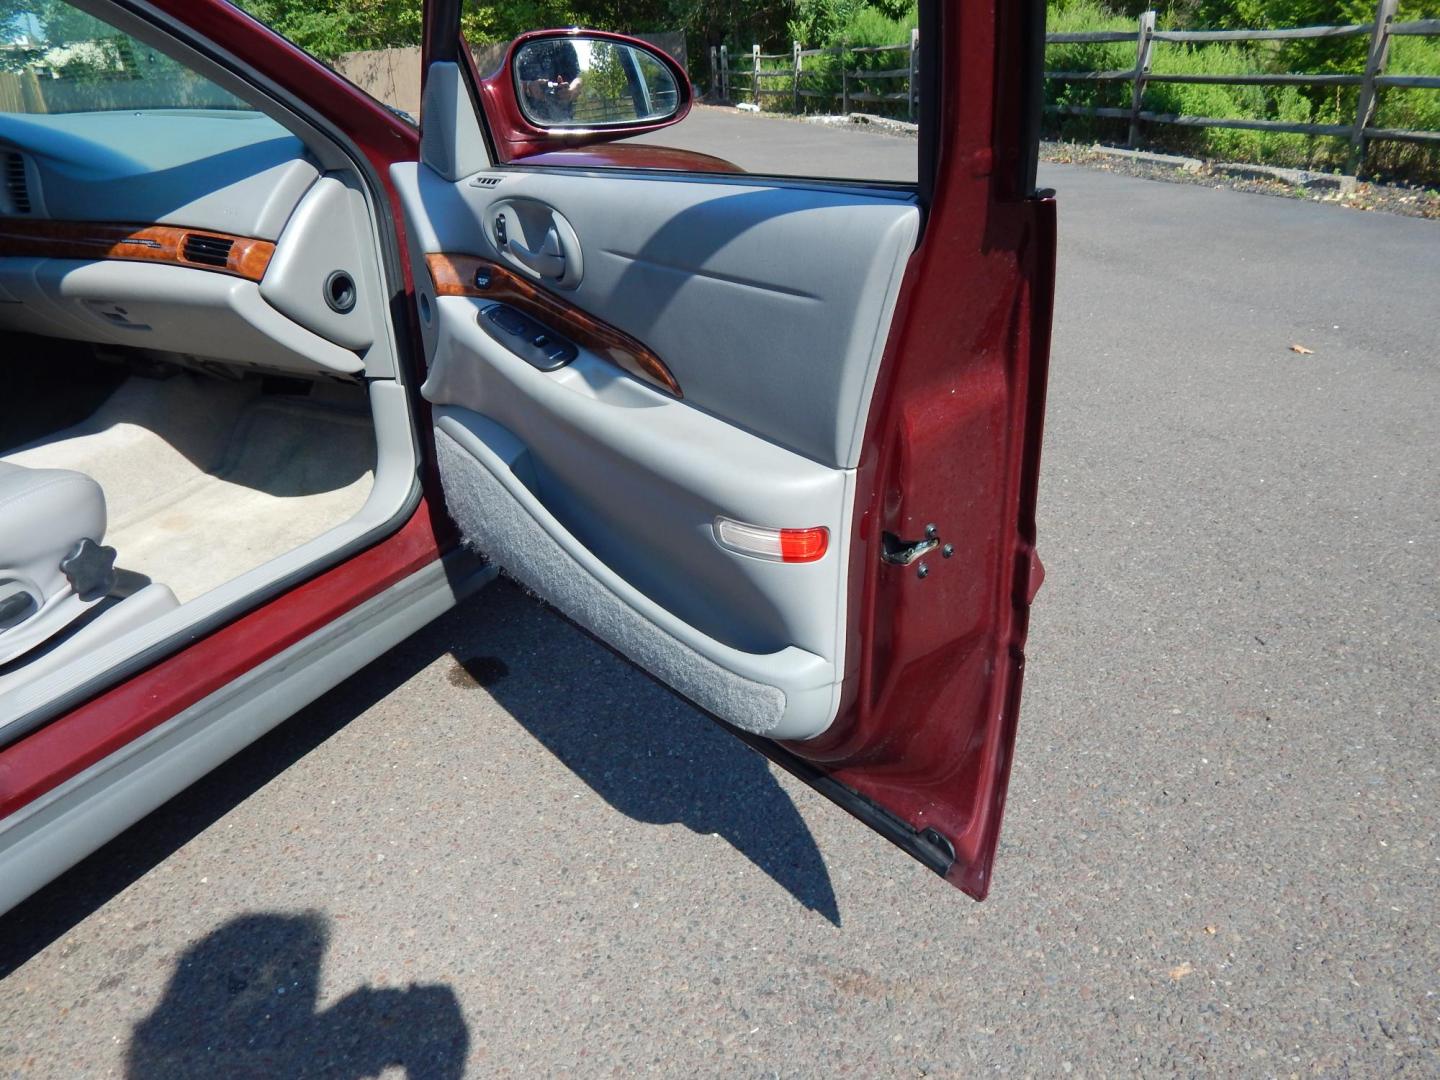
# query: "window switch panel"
[537,345]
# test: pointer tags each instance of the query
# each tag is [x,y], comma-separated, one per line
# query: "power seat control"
[537,345]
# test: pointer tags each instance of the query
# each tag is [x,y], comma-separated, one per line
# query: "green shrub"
[1075,16]
[851,25]
[1416,109]
[1226,102]
[857,23]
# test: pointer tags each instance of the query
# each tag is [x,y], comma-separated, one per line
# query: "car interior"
[200,368]
[645,385]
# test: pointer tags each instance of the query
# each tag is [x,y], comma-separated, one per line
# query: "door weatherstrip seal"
[927,846]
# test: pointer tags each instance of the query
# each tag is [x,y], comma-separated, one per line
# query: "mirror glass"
[588,82]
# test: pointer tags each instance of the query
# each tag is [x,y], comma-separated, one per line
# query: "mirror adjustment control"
[537,345]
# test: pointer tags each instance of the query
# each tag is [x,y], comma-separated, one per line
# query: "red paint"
[631,156]
[84,736]
[516,137]
[927,725]
[68,745]
[927,722]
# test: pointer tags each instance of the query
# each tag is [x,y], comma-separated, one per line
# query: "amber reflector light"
[777,545]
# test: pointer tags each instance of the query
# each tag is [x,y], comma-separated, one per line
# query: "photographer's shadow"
[243,1003]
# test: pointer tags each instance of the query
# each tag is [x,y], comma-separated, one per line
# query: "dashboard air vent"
[485,181]
[207,250]
[17,184]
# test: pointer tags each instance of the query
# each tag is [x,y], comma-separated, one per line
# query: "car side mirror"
[558,89]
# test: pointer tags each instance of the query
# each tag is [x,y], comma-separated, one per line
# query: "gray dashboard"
[231,170]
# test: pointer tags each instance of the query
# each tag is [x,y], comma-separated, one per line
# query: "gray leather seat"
[52,567]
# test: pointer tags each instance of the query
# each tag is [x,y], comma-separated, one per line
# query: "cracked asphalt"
[498,850]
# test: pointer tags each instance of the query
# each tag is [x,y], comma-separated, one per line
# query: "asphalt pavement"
[499,850]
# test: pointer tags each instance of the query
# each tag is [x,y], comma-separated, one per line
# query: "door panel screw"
[922,570]
[930,531]
[947,550]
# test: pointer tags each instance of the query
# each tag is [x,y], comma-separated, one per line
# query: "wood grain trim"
[454,275]
[133,243]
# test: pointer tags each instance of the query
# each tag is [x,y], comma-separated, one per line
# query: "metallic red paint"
[516,137]
[65,747]
[930,702]
[631,156]
[927,723]
[72,742]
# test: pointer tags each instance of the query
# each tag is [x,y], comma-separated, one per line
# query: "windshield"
[55,58]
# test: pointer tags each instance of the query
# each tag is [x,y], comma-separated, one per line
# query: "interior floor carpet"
[206,479]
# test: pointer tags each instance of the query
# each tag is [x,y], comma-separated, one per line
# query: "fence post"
[844,82]
[1143,46]
[1374,65]
[910,96]
[755,72]
[31,93]
[795,82]
[714,73]
[724,73]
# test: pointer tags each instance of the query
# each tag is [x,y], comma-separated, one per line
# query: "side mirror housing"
[561,89]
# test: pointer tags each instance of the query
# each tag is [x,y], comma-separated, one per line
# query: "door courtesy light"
[777,545]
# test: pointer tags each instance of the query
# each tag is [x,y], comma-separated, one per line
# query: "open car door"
[774,440]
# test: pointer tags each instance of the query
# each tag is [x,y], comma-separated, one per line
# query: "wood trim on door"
[462,275]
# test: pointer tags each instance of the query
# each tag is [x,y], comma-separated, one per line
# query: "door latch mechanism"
[898,552]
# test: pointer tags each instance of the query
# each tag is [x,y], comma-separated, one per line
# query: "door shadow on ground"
[243,1003]
[639,747]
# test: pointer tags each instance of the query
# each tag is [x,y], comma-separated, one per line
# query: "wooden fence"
[1370,81]
[751,78]
[25,91]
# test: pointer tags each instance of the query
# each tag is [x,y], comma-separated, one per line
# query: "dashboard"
[211,233]
[233,171]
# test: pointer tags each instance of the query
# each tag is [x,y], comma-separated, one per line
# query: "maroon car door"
[642,510]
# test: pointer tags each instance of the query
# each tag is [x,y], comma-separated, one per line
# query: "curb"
[899,127]
[1146,157]
[1301,178]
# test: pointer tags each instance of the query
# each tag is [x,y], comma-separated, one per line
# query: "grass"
[1397,108]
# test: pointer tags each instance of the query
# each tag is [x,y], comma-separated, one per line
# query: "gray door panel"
[491,490]
[770,303]
[639,478]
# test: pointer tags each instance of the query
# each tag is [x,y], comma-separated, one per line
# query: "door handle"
[548,261]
